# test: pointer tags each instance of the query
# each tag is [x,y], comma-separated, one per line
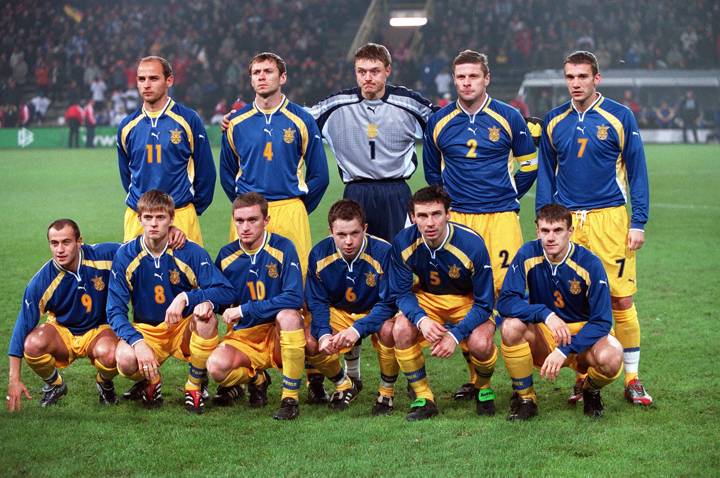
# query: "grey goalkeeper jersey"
[373,139]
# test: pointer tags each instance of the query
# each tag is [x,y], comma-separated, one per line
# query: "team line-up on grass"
[292,306]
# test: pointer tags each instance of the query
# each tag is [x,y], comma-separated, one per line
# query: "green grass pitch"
[678,305]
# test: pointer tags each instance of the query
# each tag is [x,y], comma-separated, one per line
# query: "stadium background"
[210,42]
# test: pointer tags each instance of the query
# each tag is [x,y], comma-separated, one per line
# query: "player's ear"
[365,227]
[80,239]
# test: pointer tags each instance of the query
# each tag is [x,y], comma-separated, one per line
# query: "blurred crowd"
[56,55]
[523,35]
[52,52]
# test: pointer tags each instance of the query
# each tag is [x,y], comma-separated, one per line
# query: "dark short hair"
[59,224]
[268,56]
[251,199]
[156,200]
[581,57]
[430,194]
[374,51]
[345,210]
[554,213]
[471,56]
[166,66]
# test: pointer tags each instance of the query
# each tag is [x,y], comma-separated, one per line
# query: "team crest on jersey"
[602,132]
[575,288]
[494,134]
[98,283]
[289,135]
[370,279]
[372,130]
[454,272]
[175,136]
[174,277]
[272,270]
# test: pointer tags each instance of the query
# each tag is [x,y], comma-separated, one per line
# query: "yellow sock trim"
[104,374]
[484,369]
[43,365]
[386,360]
[292,351]
[200,350]
[412,363]
[627,331]
[237,376]
[597,380]
[519,364]
[328,365]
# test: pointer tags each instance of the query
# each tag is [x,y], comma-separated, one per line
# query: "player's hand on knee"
[176,238]
[444,348]
[147,363]
[326,344]
[204,311]
[174,313]
[346,338]
[231,315]
[431,330]
[552,365]
[559,329]
[636,239]
[16,390]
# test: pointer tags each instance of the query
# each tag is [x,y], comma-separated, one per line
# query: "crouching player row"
[565,320]
[347,296]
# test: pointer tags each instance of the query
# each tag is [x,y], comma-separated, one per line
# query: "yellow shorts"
[289,218]
[604,231]
[550,344]
[185,219]
[77,345]
[445,309]
[502,235]
[258,343]
[167,342]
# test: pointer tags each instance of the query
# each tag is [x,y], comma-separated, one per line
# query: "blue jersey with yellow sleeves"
[473,156]
[576,290]
[459,266]
[168,151]
[265,281]
[266,152]
[75,299]
[360,286]
[152,283]
[588,160]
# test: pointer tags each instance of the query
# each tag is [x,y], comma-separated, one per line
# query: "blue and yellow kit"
[359,287]
[75,301]
[265,281]
[277,153]
[168,151]
[459,266]
[588,160]
[473,156]
[152,283]
[576,290]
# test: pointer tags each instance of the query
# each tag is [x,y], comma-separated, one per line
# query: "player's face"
[555,238]
[64,247]
[471,82]
[371,77]
[431,219]
[156,224]
[266,79]
[250,225]
[152,85]
[348,236]
[581,82]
